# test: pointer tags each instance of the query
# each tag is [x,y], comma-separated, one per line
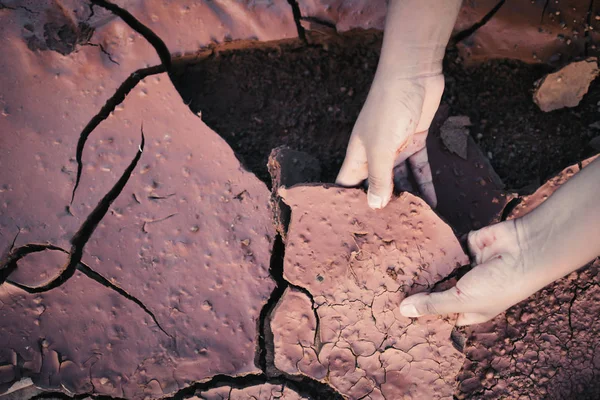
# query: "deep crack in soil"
[266,350]
[308,97]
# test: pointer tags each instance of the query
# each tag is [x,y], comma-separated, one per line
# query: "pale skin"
[513,259]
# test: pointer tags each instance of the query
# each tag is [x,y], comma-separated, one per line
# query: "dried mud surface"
[135,286]
[259,392]
[146,264]
[357,265]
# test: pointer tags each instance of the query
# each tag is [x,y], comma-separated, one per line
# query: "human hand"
[390,133]
[501,278]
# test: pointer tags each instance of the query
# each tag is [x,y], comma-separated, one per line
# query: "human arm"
[406,92]
[516,258]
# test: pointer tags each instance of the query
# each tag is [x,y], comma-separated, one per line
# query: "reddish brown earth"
[158,278]
[358,264]
[259,392]
[567,86]
[168,289]
[533,31]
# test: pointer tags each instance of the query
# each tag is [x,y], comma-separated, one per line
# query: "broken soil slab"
[287,168]
[530,202]
[530,31]
[567,86]
[346,15]
[265,391]
[190,236]
[44,119]
[177,214]
[455,135]
[187,27]
[38,268]
[545,346]
[358,264]
[294,324]
[77,338]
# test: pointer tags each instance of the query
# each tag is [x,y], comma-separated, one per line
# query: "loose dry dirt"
[308,97]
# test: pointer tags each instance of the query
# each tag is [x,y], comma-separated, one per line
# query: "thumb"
[440,303]
[381,176]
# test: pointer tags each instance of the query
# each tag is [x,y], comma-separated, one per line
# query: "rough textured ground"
[153,279]
[181,258]
[259,392]
[358,265]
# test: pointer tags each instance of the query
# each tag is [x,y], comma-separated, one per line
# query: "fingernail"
[375,201]
[409,310]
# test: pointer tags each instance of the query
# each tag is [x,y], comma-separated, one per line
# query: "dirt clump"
[567,86]
[454,133]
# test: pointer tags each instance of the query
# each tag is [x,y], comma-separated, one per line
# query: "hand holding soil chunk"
[519,257]
[393,124]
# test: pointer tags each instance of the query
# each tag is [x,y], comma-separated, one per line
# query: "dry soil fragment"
[181,237]
[287,168]
[469,191]
[529,203]
[531,31]
[187,27]
[455,134]
[358,264]
[294,325]
[547,345]
[265,391]
[567,86]
[38,268]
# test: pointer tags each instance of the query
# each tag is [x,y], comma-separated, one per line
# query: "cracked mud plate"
[354,266]
[171,283]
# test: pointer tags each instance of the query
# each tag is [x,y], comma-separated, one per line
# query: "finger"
[473,318]
[482,243]
[354,169]
[415,143]
[440,303]
[419,163]
[381,181]
[401,180]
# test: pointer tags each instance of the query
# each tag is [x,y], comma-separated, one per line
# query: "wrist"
[412,62]
[416,35]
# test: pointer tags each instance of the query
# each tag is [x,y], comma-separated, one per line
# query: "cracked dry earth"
[142,260]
